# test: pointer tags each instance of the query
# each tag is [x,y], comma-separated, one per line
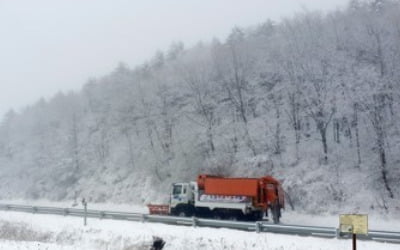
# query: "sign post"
[354,224]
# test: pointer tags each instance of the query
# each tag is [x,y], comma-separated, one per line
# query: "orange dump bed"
[264,190]
[231,186]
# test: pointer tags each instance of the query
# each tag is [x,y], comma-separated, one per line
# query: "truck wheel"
[255,216]
[185,211]
[217,215]
[235,215]
[259,215]
[182,213]
[232,218]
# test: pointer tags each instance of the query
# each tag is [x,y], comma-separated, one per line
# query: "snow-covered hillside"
[33,232]
[311,100]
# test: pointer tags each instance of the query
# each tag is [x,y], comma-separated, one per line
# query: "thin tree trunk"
[382,155]
[357,134]
[324,144]
[378,124]
[210,139]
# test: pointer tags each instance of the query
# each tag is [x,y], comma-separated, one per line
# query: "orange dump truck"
[226,198]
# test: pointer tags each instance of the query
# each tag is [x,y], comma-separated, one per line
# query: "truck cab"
[181,199]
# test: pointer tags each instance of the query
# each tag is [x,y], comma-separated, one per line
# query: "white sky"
[48,46]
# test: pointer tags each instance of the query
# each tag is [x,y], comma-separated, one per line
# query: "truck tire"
[220,213]
[184,211]
[216,215]
[258,215]
[254,216]
[233,216]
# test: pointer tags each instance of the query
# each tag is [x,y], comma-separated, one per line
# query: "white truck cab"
[181,195]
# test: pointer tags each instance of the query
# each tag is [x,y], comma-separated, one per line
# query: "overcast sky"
[48,46]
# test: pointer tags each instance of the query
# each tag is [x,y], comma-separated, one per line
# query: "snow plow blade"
[159,209]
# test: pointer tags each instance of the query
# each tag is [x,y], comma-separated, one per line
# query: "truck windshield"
[177,189]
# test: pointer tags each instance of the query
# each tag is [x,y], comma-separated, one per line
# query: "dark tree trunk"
[210,139]
[355,123]
[324,144]
[382,155]
[378,122]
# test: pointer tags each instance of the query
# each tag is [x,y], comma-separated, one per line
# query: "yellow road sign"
[354,223]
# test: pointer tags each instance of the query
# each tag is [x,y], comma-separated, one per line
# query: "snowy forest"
[311,100]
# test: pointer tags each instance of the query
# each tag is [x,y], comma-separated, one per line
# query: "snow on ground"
[35,231]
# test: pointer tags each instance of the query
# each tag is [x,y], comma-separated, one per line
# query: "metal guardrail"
[330,232]
[259,226]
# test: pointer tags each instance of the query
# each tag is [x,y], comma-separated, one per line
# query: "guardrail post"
[194,221]
[143,218]
[84,203]
[34,209]
[66,211]
[258,227]
[338,235]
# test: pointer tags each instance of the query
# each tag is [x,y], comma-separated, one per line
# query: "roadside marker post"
[84,203]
